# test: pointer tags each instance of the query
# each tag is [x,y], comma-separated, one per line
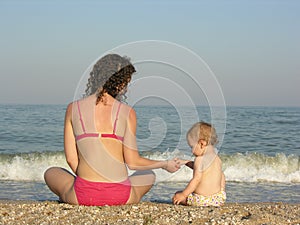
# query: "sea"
[259,148]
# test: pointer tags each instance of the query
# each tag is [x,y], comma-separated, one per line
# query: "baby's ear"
[202,143]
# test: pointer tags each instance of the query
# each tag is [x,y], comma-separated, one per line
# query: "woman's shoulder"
[126,107]
[128,112]
[69,106]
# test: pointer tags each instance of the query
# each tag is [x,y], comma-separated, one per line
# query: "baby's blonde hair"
[202,131]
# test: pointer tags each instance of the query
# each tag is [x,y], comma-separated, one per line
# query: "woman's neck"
[107,99]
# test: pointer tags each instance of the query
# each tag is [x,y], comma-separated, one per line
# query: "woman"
[100,143]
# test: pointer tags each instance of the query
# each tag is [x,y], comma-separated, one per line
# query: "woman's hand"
[172,165]
[182,161]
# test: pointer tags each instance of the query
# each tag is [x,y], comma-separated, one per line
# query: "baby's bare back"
[211,181]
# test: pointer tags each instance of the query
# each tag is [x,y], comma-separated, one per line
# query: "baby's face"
[197,150]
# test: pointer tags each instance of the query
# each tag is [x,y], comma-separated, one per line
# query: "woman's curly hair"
[111,74]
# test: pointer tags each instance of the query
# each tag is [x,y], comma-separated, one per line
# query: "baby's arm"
[223,182]
[181,197]
[197,176]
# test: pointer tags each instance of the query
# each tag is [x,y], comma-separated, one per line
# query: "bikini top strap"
[80,117]
[117,116]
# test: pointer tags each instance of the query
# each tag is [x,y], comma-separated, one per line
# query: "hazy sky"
[253,47]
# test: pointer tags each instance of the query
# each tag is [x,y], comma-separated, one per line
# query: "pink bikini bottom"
[92,193]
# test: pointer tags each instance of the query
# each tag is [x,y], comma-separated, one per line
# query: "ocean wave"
[256,167]
[29,166]
[249,167]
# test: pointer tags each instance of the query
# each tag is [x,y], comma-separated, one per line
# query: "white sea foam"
[237,168]
[29,166]
[262,168]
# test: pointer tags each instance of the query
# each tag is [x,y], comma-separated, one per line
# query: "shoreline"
[53,212]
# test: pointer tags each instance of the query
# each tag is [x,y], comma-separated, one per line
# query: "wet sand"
[52,212]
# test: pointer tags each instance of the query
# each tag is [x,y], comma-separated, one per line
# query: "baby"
[207,187]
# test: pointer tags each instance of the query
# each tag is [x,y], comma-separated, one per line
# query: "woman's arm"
[69,141]
[131,155]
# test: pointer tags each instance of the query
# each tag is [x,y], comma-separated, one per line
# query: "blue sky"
[251,46]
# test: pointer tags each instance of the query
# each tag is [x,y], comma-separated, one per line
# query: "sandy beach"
[52,212]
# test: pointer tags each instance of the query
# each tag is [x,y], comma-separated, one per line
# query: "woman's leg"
[61,182]
[141,183]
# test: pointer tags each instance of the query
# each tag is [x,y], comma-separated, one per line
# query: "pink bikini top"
[97,134]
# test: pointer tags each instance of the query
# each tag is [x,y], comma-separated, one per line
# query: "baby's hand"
[179,198]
